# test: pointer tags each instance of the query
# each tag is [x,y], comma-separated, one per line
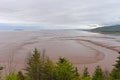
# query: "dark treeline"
[40,67]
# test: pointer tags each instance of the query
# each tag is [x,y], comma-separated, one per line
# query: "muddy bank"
[83,49]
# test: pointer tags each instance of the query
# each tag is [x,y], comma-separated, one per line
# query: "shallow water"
[82,48]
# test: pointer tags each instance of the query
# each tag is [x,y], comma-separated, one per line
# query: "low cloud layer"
[60,13]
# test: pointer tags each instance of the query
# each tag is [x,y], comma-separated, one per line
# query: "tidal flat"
[82,48]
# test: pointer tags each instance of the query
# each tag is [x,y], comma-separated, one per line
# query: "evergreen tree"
[115,74]
[117,65]
[77,75]
[65,70]
[86,73]
[20,76]
[98,74]
[1,68]
[40,67]
[76,72]
[49,70]
[35,66]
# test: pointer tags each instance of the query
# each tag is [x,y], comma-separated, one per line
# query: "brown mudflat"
[83,49]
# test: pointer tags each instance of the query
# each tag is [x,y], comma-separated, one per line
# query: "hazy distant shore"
[84,49]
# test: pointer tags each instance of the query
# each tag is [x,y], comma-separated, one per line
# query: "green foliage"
[1,68]
[65,70]
[11,76]
[117,65]
[20,76]
[39,67]
[48,69]
[34,66]
[115,74]
[85,78]
[77,78]
[76,72]
[98,74]
[86,73]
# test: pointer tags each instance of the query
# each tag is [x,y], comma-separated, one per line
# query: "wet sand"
[83,49]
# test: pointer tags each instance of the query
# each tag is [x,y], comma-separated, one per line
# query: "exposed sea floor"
[82,48]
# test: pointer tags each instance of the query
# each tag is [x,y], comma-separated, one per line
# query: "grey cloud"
[59,12]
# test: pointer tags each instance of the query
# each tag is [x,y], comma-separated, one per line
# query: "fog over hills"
[112,28]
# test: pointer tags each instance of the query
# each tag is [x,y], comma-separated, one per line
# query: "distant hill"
[108,29]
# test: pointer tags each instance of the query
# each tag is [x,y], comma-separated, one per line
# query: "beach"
[82,48]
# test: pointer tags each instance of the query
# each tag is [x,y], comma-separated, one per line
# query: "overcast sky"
[60,13]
